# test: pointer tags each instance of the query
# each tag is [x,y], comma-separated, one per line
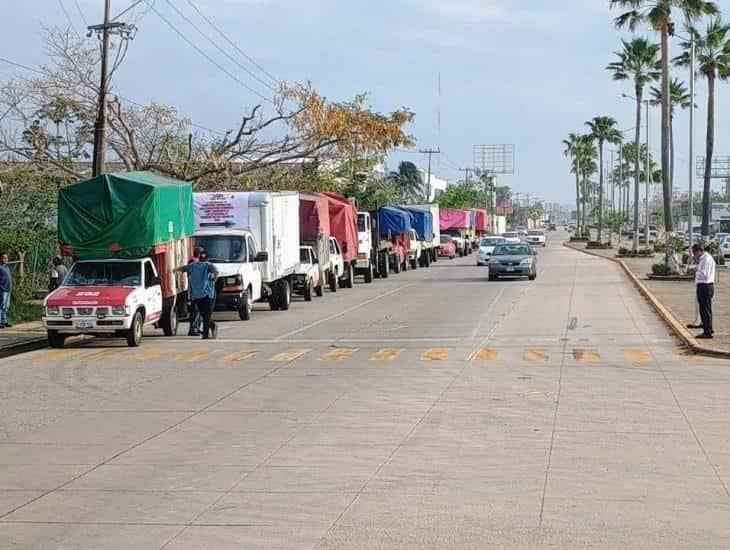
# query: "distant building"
[438,186]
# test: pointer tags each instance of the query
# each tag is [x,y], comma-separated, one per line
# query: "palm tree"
[408,180]
[603,129]
[588,168]
[578,148]
[637,61]
[680,97]
[658,15]
[713,60]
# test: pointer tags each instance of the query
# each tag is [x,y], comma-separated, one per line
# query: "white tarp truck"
[268,225]
[434,210]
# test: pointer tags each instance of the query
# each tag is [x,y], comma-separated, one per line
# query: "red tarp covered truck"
[127,233]
[343,225]
[457,224]
[315,231]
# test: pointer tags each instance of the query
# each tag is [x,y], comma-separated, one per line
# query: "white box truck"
[268,223]
[435,210]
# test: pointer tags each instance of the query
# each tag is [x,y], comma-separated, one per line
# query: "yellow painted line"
[435,354]
[638,356]
[386,354]
[240,355]
[289,355]
[59,354]
[587,355]
[146,354]
[485,355]
[338,354]
[192,356]
[536,355]
[102,354]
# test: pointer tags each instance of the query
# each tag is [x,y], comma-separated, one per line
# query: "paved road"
[431,410]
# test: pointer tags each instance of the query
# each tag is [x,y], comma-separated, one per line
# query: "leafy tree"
[408,180]
[680,97]
[657,14]
[713,56]
[603,129]
[462,196]
[638,61]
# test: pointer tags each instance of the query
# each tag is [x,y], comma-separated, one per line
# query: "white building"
[437,187]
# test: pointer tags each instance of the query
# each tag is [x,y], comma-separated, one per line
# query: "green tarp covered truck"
[127,233]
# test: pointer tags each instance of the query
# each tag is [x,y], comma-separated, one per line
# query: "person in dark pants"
[6,288]
[196,323]
[705,282]
[202,276]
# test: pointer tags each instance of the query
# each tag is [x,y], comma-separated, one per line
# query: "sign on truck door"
[152,293]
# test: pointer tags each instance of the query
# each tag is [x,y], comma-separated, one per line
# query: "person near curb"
[202,275]
[196,321]
[58,273]
[6,287]
[705,283]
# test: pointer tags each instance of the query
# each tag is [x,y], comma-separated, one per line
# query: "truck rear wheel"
[396,264]
[319,290]
[414,263]
[274,298]
[169,321]
[384,265]
[134,334]
[333,282]
[244,310]
[350,279]
[369,273]
[426,259]
[308,291]
[434,256]
[284,295]
[55,339]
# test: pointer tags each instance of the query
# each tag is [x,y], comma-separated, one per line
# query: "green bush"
[660,269]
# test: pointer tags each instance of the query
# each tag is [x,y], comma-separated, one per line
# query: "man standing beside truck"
[202,275]
[6,287]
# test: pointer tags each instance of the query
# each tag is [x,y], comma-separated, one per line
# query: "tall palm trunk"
[666,133]
[637,176]
[600,190]
[577,199]
[671,153]
[709,153]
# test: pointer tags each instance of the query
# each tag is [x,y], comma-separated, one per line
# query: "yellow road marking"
[587,355]
[59,354]
[102,354]
[485,355]
[146,354]
[537,355]
[387,354]
[337,354]
[638,356]
[289,356]
[240,355]
[435,354]
[195,355]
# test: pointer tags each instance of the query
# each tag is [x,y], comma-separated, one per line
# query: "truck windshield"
[223,248]
[105,274]
[304,257]
[360,223]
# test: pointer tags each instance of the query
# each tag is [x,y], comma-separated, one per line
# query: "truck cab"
[107,298]
[307,281]
[236,255]
[415,249]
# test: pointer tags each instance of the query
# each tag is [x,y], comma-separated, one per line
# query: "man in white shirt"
[705,281]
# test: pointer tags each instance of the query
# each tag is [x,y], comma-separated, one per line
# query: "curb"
[23,347]
[666,315]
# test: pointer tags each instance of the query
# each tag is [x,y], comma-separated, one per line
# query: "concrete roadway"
[431,410]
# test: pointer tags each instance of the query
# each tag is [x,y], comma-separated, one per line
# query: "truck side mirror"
[261,257]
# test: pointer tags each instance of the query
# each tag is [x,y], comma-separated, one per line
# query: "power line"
[205,55]
[20,65]
[68,17]
[81,13]
[216,46]
[232,43]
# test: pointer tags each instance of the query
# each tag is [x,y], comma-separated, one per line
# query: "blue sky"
[526,72]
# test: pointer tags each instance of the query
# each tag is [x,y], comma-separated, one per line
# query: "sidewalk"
[679,296]
[21,338]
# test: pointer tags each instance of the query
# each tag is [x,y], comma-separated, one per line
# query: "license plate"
[84,323]
[510,269]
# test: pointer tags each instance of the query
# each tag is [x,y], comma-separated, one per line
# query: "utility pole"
[429,152]
[467,177]
[106,29]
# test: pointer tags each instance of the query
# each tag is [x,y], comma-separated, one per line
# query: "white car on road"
[536,237]
[486,247]
[512,237]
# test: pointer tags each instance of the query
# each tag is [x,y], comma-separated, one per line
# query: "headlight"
[232,281]
[120,310]
[526,261]
[52,310]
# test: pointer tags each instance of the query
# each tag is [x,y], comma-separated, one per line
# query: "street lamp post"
[693,54]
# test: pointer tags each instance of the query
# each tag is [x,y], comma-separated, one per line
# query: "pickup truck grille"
[85,311]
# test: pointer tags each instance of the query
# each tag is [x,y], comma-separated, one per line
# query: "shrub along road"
[430,410]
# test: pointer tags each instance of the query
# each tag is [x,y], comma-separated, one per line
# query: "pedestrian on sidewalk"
[202,276]
[58,273]
[705,283]
[6,287]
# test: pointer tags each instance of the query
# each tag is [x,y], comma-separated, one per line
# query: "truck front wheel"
[350,280]
[169,321]
[134,334]
[369,273]
[414,263]
[308,291]
[284,295]
[56,340]
[244,310]
[333,282]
